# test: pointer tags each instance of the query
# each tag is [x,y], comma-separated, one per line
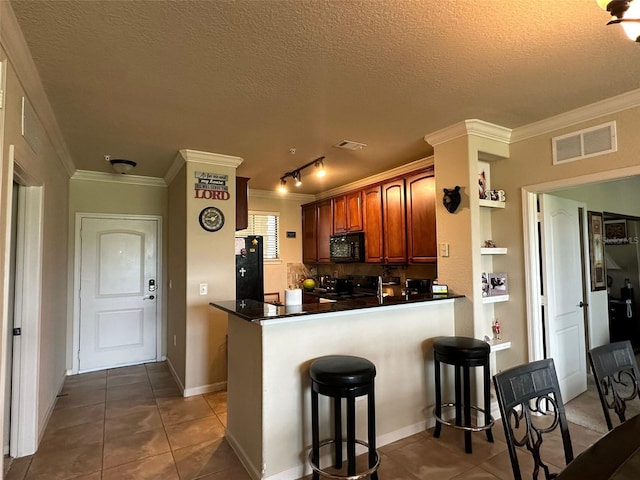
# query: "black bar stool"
[463,353]
[343,376]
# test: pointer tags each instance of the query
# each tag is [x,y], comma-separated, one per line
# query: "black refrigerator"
[249,268]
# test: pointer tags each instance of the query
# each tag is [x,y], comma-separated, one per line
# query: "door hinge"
[17,332]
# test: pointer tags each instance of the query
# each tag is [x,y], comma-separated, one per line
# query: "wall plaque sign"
[211,186]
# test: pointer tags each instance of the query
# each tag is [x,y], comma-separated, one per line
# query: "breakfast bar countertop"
[259,312]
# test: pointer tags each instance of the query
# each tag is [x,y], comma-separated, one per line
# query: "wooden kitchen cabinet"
[340,214]
[347,213]
[324,218]
[394,222]
[317,227]
[309,242]
[372,213]
[242,203]
[421,218]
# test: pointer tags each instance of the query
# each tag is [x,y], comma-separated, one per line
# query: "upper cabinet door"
[421,218]
[340,214]
[372,210]
[309,235]
[347,213]
[354,211]
[324,218]
[394,222]
[242,203]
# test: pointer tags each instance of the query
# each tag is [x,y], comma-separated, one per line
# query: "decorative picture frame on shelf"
[596,251]
[615,232]
[484,179]
[485,284]
[498,284]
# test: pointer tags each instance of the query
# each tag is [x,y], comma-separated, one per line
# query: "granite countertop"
[254,311]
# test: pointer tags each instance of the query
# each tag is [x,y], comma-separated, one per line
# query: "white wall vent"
[350,145]
[585,143]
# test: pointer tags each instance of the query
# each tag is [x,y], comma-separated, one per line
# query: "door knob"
[582,304]
[148,297]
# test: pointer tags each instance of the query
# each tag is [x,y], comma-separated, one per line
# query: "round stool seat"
[460,350]
[342,371]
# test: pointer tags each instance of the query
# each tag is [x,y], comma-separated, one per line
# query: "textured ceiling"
[254,78]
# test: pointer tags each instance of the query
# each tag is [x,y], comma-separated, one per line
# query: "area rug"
[586,410]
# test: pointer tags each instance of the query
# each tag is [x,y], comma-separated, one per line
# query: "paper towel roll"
[293,297]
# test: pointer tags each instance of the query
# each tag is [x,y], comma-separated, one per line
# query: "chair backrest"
[531,407]
[616,374]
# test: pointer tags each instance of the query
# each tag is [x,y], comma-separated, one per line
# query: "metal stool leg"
[458,396]
[436,431]
[315,433]
[337,430]
[351,435]
[487,400]
[467,409]
[371,430]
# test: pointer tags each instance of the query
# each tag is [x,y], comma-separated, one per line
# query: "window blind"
[265,225]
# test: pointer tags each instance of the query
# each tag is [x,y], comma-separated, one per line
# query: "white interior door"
[118,292]
[562,280]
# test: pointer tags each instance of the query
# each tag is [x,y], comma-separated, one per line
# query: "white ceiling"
[254,78]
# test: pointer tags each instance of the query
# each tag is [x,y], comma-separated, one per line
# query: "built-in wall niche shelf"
[495,299]
[497,345]
[493,251]
[491,203]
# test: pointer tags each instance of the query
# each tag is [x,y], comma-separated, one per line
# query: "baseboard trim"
[213,387]
[175,376]
[251,469]
[300,471]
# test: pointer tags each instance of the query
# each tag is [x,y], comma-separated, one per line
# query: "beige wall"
[40,167]
[177,276]
[530,164]
[210,259]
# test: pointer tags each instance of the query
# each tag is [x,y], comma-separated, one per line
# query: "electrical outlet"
[444,249]
[204,288]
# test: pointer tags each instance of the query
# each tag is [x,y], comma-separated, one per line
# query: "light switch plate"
[204,288]
[444,249]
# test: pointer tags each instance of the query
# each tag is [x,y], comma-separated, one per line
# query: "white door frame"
[76,282]
[24,434]
[531,248]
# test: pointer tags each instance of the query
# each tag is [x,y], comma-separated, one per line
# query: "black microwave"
[347,247]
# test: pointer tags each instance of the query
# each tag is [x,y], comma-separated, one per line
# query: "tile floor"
[132,424]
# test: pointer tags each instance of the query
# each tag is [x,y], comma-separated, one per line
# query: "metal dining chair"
[531,407]
[616,374]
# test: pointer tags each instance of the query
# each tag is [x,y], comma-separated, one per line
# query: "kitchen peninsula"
[271,347]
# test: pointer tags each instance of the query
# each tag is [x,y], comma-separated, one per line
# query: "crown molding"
[211,158]
[303,197]
[475,127]
[197,156]
[91,176]
[174,168]
[589,112]
[380,177]
[19,56]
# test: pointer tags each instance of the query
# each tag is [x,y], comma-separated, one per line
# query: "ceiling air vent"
[585,143]
[349,145]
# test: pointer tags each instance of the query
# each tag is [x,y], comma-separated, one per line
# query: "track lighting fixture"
[296,174]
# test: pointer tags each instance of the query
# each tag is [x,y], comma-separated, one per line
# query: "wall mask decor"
[451,199]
